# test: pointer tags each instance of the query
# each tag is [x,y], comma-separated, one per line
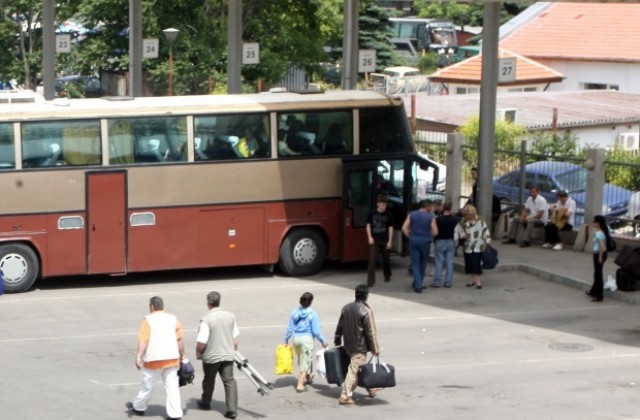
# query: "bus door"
[106,222]
[363,182]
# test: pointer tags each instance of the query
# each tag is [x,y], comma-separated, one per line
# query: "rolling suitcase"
[336,363]
[625,280]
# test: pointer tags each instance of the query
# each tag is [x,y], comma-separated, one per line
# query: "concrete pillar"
[234,47]
[135,48]
[595,184]
[488,98]
[48,49]
[455,141]
[350,45]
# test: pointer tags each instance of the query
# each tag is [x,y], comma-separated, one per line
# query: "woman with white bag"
[304,326]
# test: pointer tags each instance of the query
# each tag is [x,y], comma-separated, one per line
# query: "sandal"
[373,392]
[298,390]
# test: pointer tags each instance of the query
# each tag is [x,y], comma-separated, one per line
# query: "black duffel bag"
[629,259]
[376,374]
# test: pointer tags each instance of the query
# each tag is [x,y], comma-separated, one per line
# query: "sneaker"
[230,415]
[524,244]
[133,410]
[345,401]
[557,247]
[547,245]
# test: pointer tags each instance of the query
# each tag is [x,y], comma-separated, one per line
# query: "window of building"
[600,86]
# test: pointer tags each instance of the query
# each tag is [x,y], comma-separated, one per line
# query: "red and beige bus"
[122,185]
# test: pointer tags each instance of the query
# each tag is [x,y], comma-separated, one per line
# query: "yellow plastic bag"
[284,359]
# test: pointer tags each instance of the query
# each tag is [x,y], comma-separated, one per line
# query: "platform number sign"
[366,61]
[507,69]
[150,48]
[63,43]
[251,53]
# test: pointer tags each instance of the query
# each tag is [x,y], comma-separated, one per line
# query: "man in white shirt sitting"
[534,213]
[562,218]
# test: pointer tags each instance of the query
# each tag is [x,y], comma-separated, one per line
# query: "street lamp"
[170,34]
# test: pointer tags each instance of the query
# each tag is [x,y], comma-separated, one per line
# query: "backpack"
[611,244]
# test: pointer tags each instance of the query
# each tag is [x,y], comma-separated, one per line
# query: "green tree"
[507,138]
[552,144]
[626,173]
[374,33]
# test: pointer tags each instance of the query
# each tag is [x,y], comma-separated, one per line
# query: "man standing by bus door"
[380,237]
[160,349]
[217,343]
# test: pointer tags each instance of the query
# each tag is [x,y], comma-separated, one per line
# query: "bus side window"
[7,150]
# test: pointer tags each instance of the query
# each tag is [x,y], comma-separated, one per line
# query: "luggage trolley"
[260,383]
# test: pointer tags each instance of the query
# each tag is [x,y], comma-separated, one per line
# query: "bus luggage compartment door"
[232,236]
[106,222]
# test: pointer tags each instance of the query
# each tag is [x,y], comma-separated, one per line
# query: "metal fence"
[515,172]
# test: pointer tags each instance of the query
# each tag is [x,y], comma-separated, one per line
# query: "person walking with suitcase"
[357,333]
[304,326]
[217,343]
[160,349]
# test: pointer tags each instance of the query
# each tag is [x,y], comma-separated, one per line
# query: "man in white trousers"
[160,349]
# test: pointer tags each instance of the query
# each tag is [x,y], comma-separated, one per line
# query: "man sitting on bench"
[534,213]
[562,218]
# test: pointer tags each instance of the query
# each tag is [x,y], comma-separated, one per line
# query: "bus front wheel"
[303,252]
[19,266]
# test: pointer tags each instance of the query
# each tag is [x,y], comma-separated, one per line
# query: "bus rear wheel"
[303,252]
[19,266]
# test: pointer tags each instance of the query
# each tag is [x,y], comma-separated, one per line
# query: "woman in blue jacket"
[304,326]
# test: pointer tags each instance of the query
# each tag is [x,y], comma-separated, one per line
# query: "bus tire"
[20,267]
[303,252]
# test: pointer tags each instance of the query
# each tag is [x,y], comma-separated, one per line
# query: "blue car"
[551,177]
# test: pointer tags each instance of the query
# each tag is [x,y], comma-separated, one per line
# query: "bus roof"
[200,104]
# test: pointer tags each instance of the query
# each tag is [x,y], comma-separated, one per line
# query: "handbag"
[321,367]
[186,372]
[284,359]
[489,258]
[376,374]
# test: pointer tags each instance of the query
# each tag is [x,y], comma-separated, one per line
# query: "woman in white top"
[476,235]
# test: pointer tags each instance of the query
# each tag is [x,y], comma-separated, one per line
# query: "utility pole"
[135,48]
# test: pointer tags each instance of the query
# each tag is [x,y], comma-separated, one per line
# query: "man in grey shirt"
[217,342]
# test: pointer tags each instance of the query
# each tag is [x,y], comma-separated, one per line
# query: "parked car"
[396,79]
[551,177]
[633,212]
[85,86]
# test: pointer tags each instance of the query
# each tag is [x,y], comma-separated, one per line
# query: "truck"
[412,36]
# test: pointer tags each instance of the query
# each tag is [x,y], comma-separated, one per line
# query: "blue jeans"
[444,251]
[419,252]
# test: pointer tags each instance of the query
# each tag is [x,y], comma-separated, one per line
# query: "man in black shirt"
[380,237]
[445,246]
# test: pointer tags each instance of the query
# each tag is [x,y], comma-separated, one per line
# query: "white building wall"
[577,73]
[602,137]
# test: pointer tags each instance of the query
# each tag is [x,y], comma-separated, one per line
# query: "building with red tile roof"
[464,77]
[594,45]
